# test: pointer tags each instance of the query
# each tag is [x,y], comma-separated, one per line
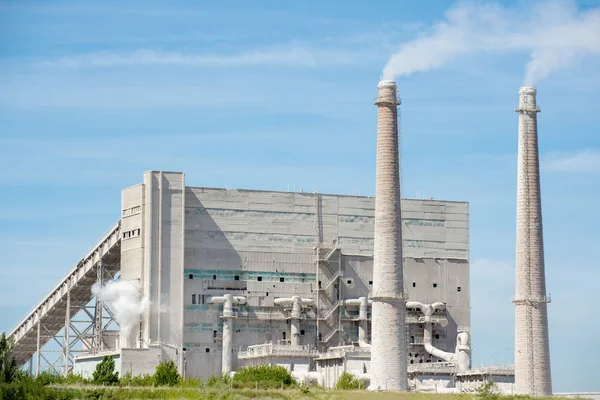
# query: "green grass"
[117,393]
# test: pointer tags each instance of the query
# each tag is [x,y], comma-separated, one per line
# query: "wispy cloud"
[293,56]
[584,161]
[554,33]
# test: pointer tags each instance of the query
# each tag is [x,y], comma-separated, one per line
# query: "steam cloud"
[123,299]
[555,34]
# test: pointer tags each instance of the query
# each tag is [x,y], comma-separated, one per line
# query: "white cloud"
[290,56]
[554,33]
[584,161]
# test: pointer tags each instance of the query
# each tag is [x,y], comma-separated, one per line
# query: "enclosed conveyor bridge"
[54,314]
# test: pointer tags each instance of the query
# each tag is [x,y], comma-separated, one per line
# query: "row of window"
[237,278]
[132,233]
[132,211]
[435,285]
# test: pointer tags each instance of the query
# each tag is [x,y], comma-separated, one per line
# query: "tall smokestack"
[532,352]
[388,342]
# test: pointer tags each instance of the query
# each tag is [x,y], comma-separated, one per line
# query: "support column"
[67,333]
[98,341]
[37,356]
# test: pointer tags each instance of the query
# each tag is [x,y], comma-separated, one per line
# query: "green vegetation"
[8,365]
[263,376]
[347,381]
[105,372]
[166,374]
[488,391]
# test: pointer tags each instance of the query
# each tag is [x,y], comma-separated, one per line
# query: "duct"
[228,301]
[461,356]
[363,303]
[297,304]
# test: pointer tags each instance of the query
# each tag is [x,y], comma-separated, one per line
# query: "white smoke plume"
[124,300]
[555,34]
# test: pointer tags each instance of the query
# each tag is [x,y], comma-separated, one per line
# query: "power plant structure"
[217,279]
[532,350]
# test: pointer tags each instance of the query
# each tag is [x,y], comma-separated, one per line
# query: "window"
[421,361]
[202,299]
[267,295]
[458,289]
[437,335]
[214,334]
[435,285]
[412,339]
[214,277]
[283,334]
[191,276]
[207,350]
[370,282]
[414,284]
[428,360]
[349,281]
[259,278]
[281,279]
[412,361]
[193,299]
[302,332]
[236,278]
[319,284]
[320,337]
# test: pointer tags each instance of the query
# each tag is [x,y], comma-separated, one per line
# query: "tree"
[347,381]
[8,365]
[166,374]
[488,391]
[105,372]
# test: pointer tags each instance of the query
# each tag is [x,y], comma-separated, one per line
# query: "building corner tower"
[388,338]
[532,352]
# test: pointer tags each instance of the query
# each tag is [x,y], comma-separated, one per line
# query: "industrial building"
[319,283]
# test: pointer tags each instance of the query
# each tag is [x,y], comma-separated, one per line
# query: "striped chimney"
[532,353]
[388,333]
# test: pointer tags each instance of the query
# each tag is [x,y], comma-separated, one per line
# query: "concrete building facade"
[293,261]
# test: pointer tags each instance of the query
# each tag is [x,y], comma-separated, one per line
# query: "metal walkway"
[71,296]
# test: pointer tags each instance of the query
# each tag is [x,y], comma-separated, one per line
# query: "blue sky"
[270,94]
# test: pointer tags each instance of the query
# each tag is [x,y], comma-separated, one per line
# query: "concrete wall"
[261,245]
[152,252]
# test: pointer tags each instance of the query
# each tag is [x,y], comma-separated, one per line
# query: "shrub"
[267,376]
[166,374]
[191,383]
[488,391]
[105,372]
[218,381]
[140,380]
[48,378]
[347,381]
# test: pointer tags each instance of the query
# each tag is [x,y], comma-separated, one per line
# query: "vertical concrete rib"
[388,342]
[532,353]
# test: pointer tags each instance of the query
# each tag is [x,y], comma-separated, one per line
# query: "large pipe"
[388,338]
[461,355]
[297,304]
[228,300]
[363,304]
[532,352]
